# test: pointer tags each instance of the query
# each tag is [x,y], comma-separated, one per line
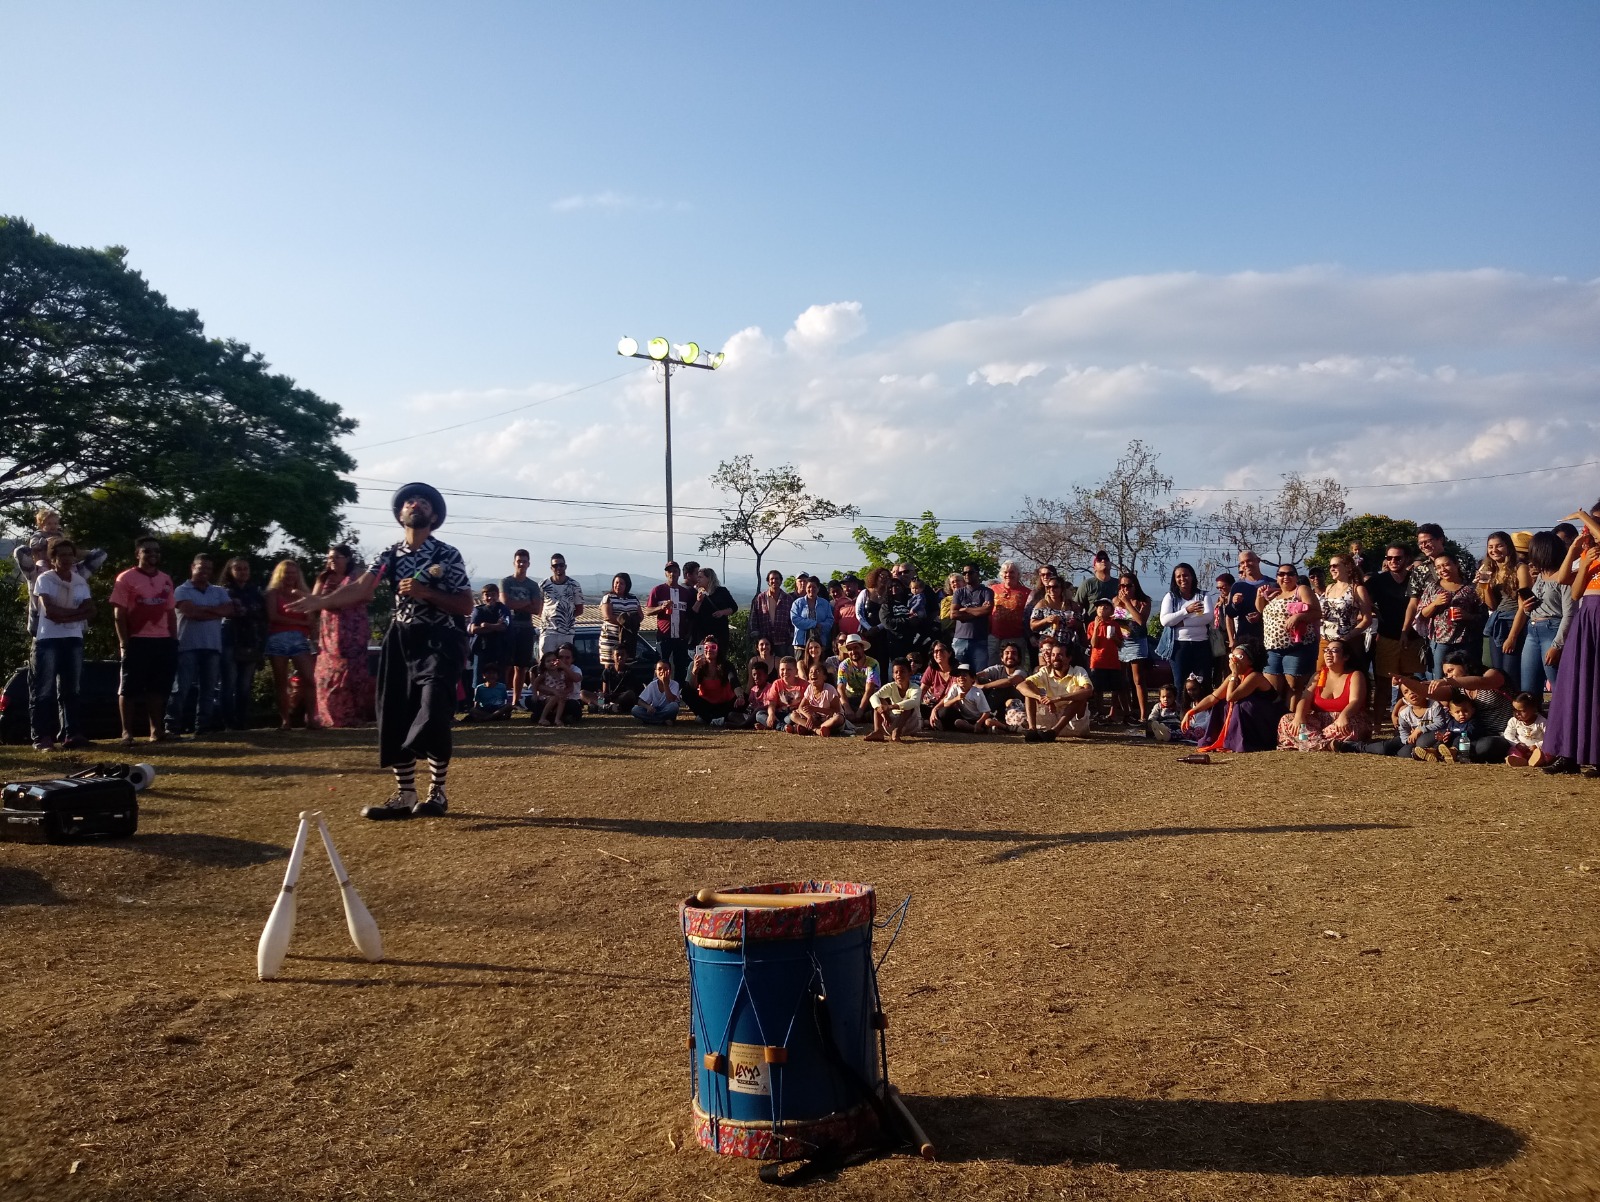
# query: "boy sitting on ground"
[661,699]
[1417,715]
[491,700]
[1166,721]
[784,694]
[1447,744]
[619,686]
[897,706]
[965,706]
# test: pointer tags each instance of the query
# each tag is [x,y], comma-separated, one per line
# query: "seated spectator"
[619,685]
[1057,697]
[713,687]
[491,700]
[661,699]
[936,677]
[1525,732]
[1333,710]
[858,678]
[1417,715]
[1105,656]
[1243,711]
[749,701]
[819,711]
[897,706]
[767,654]
[784,694]
[999,683]
[964,706]
[812,653]
[550,690]
[1165,722]
[1453,744]
[572,708]
[1492,707]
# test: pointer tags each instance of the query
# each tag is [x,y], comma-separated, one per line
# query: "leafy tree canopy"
[103,383]
[1374,531]
[934,556]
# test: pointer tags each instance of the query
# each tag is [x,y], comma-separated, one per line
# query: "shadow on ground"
[25,887]
[1358,1137]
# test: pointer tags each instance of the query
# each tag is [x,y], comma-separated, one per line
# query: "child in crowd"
[819,711]
[550,690]
[491,700]
[749,700]
[661,699]
[619,688]
[1525,732]
[965,706]
[1166,721]
[1454,743]
[572,707]
[33,556]
[1105,648]
[1417,715]
[897,706]
[784,694]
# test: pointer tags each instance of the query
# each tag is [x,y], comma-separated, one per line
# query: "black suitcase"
[67,811]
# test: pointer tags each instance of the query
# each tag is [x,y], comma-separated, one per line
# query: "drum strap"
[831,1157]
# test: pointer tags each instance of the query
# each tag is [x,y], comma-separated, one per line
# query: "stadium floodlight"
[684,354]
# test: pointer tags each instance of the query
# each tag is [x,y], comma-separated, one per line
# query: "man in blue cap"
[423,652]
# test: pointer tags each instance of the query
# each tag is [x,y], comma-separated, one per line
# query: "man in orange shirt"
[145,612]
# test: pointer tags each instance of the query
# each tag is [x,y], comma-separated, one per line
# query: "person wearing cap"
[1101,583]
[859,678]
[424,651]
[670,605]
[965,706]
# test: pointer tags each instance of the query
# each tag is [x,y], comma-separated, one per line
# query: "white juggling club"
[275,936]
[363,930]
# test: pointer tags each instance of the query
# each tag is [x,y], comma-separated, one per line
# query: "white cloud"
[610,201]
[1234,379]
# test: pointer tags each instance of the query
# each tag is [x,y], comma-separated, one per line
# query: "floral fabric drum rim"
[727,926]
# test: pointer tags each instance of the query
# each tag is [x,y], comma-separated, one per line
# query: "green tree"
[14,646]
[102,382]
[1374,531]
[934,556]
[765,507]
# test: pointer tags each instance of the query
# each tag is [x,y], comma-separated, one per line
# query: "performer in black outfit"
[423,652]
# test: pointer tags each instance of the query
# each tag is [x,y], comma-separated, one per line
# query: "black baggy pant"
[419,669]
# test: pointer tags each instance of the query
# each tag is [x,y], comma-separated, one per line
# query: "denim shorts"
[1298,660]
[288,643]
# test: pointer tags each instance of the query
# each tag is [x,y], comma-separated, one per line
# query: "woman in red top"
[288,642]
[936,676]
[1333,710]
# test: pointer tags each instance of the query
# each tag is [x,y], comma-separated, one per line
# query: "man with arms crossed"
[520,593]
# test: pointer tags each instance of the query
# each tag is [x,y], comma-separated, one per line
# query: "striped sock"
[405,777]
[438,769]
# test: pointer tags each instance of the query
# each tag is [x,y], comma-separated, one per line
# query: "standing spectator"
[845,619]
[869,603]
[1241,608]
[1105,656]
[489,627]
[620,616]
[142,607]
[1347,609]
[947,607]
[1132,610]
[33,556]
[1187,613]
[1572,731]
[562,605]
[669,605]
[63,609]
[1101,583]
[811,616]
[1545,614]
[1497,585]
[1289,625]
[289,644]
[974,602]
[201,606]
[769,613]
[1008,619]
[713,605]
[1055,616]
[1452,611]
[244,635]
[1221,635]
[520,594]
[1397,651]
[345,692]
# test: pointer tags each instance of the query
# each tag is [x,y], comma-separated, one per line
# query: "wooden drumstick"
[919,1137]
[710,897]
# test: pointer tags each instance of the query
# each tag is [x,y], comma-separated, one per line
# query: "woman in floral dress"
[345,695]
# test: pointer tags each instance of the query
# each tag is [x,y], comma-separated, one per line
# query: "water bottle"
[1464,744]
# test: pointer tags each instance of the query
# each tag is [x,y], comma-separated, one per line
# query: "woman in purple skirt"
[1572,731]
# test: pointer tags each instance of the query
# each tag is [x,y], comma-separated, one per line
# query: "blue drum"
[785,1025]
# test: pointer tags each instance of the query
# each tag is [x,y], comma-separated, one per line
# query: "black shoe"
[1562,765]
[397,806]
[1347,748]
[1590,771]
[434,807]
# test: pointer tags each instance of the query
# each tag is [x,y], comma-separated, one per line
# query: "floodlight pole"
[667,362]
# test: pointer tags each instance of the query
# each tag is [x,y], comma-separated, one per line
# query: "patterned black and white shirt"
[439,565]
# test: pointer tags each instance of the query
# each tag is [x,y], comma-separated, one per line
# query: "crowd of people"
[1409,651]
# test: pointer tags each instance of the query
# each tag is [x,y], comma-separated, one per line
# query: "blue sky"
[426,215]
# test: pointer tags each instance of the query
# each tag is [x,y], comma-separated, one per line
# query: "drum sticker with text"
[748,1070]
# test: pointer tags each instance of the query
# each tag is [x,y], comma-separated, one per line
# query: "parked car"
[97,701]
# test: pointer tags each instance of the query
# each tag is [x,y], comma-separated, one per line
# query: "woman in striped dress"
[619,620]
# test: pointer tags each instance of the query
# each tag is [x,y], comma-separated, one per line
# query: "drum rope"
[898,917]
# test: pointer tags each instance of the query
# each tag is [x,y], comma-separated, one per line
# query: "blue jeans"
[1189,658]
[1535,671]
[238,690]
[196,669]
[663,714]
[1508,662]
[56,669]
[971,651]
[1437,652]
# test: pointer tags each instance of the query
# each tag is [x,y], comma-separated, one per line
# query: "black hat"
[426,492]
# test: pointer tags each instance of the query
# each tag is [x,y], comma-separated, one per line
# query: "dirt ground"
[1277,977]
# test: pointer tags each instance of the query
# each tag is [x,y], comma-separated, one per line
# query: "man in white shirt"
[63,609]
[561,606]
[897,706]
